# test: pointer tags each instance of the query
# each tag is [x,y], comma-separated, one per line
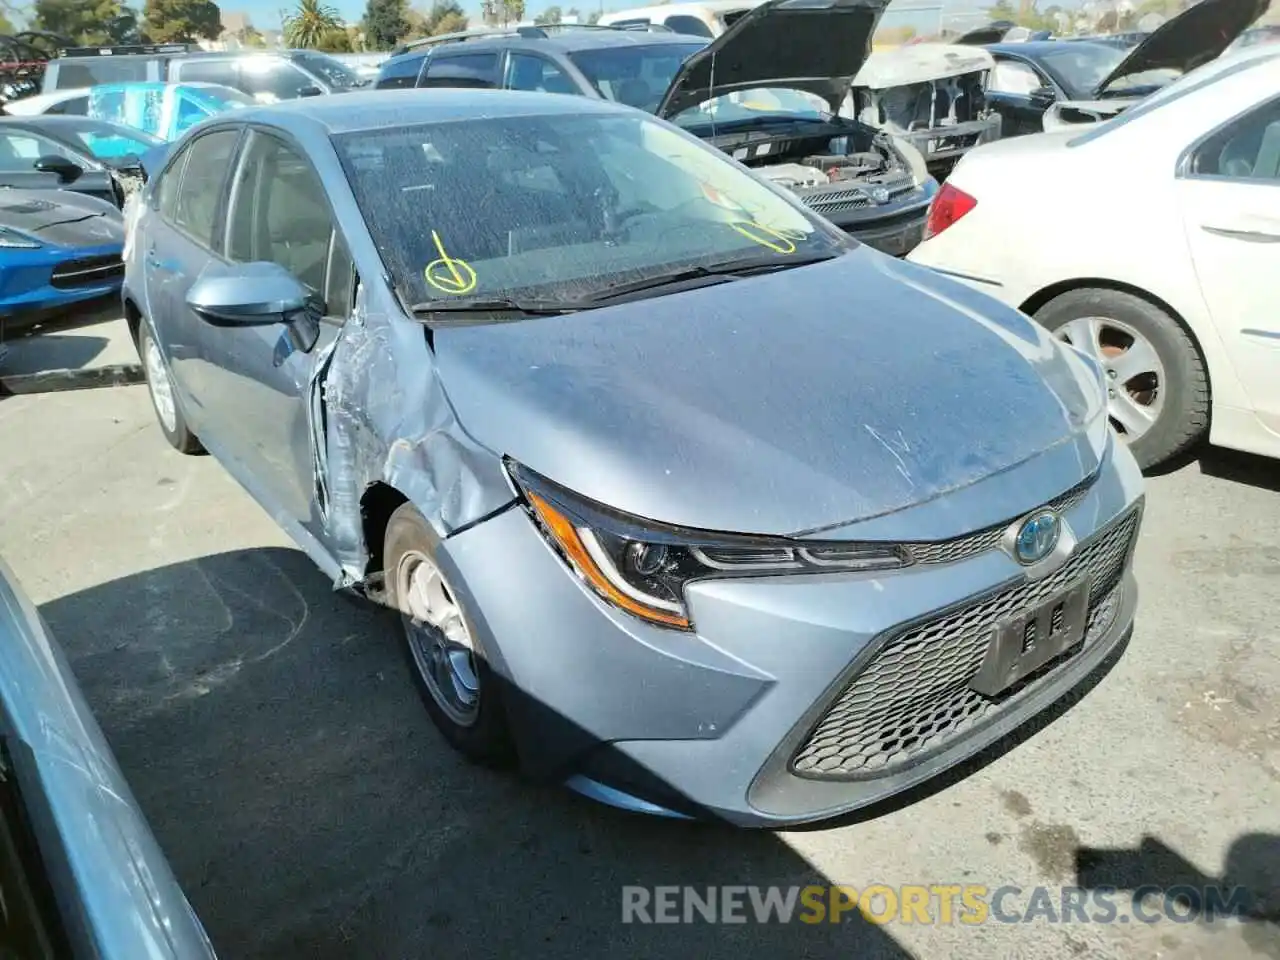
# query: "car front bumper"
[48,278]
[740,720]
[895,228]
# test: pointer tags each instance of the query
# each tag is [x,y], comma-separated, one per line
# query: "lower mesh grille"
[912,699]
[87,272]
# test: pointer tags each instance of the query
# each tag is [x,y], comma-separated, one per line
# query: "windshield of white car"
[637,76]
[563,208]
[758,105]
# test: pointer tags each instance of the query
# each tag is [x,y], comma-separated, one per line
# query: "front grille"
[912,699]
[853,197]
[971,544]
[87,272]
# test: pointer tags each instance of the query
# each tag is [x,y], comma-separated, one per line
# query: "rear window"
[400,72]
[467,70]
[75,72]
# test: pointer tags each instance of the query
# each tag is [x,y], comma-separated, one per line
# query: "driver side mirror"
[67,171]
[1044,95]
[310,90]
[248,295]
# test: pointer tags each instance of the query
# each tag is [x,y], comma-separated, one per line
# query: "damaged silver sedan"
[684,497]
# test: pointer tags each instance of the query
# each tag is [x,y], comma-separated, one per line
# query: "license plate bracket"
[1023,643]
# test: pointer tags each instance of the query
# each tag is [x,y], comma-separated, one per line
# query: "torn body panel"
[931,95]
[387,420]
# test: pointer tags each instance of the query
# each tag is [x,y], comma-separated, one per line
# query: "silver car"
[82,874]
[685,497]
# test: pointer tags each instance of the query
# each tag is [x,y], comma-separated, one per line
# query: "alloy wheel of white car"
[160,386]
[1136,377]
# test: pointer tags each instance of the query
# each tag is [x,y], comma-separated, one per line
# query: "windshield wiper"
[726,271]
[527,308]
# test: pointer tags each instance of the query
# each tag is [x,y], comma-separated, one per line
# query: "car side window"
[462,70]
[199,200]
[689,25]
[280,213]
[1010,76]
[401,72]
[1248,148]
[20,150]
[206,71]
[526,71]
[164,196]
[340,281]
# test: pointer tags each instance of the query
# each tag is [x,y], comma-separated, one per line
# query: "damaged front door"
[262,376]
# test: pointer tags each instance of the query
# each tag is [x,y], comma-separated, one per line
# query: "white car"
[73,102]
[1151,242]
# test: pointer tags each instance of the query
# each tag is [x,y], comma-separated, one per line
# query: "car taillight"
[948,206]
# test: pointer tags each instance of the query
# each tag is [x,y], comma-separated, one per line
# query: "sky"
[265,14]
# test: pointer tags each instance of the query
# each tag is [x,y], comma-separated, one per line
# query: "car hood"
[784,404]
[981,36]
[1197,35]
[816,46]
[921,63]
[61,218]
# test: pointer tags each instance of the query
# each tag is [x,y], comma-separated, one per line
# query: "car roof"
[563,41]
[375,109]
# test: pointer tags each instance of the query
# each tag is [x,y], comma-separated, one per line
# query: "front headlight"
[643,567]
[11,239]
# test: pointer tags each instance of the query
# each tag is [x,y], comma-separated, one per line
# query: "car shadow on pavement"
[1248,888]
[276,743]
[1233,465]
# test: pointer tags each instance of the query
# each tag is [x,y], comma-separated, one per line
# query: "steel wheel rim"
[1135,374]
[161,388]
[439,637]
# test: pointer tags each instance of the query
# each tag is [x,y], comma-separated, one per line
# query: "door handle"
[1249,236]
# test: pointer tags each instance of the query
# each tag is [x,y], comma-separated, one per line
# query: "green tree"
[251,36]
[452,22]
[548,16]
[573,13]
[6,25]
[87,22]
[593,16]
[182,21]
[384,23]
[512,11]
[310,24]
[335,41]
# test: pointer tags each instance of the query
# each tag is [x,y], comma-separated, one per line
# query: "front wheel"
[163,397]
[1157,385]
[457,686]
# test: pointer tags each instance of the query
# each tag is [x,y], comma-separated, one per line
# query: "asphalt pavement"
[273,737]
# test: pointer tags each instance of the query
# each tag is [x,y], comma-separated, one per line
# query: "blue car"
[57,248]
[163,110]
[684,496]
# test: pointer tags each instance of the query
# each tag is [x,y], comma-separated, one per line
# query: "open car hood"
[981,36]
[815,46]
[1197,35]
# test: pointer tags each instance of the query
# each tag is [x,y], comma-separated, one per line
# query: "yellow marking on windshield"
[774,239]
[449,274]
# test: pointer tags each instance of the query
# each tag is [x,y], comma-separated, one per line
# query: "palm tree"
[312,22]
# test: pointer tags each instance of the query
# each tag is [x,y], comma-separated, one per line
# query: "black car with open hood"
[774,91]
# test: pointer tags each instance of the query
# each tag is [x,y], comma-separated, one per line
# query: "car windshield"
[1082,66]
[333,72]
[564,207]
[106,141]
[751,106]
[637,76]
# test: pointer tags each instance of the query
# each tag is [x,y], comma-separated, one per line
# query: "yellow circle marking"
[448,274]
[775,240]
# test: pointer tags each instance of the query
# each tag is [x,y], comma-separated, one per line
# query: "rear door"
[260,392]
[181,241]
[1230,195]
[205,70]
[21,148]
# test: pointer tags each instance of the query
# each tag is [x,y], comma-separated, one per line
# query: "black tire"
[1184,417]
[178,434]
[487,739]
